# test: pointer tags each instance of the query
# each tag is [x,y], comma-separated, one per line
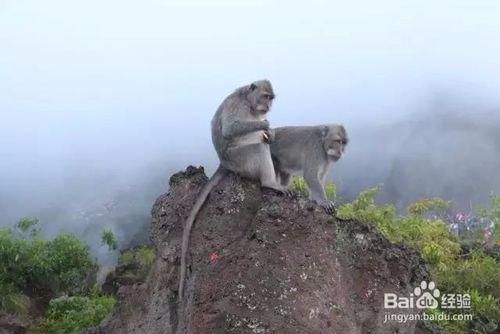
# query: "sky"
[99,91]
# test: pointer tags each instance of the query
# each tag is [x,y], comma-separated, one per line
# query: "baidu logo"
[426,296]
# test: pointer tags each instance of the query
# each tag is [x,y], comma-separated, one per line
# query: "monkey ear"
[253,86]
[324,131]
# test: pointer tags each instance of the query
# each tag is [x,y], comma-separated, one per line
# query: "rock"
[261,263]
[11,324]
[133,266]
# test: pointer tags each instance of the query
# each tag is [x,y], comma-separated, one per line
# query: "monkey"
[240,135]
[308,151]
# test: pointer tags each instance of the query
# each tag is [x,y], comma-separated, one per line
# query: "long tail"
[214,180]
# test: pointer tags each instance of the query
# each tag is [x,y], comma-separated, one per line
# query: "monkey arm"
[318,192]
[238,128]
[315,187]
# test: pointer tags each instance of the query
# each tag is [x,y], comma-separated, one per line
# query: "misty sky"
[101,88]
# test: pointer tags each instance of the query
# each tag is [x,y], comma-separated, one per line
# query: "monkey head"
[260,95]
[334,140]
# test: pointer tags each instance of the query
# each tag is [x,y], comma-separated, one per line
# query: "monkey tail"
[202,197]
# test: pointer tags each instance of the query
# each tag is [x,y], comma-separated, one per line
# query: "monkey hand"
[268,136]
[329,207]
[288,193]
[264,125]
[281,191]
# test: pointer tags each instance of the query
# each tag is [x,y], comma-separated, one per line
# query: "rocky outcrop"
[11,324]
[261,263]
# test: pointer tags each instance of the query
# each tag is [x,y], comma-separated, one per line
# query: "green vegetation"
[34,271]
[331,191]
[474,272]
[108,238]
[134,264]
[11,300]
[71,314]
[299,186]
[30,265]
[27,227]
[461,251]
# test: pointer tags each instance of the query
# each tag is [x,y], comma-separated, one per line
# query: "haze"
[100,101]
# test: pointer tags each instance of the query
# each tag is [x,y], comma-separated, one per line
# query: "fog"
[100,101]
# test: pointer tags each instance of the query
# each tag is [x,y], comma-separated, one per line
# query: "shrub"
[108,238]
[27,226]
[476,273]
[13,301]
[364,209]
[70,314]
[136,263]
[331,191]
[299,185]
[69,262]
[427,204]
[494,217]
[33,266]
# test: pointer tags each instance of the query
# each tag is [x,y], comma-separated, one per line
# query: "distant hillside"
[448,155]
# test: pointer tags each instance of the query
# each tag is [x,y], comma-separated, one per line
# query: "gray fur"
[239,130]
[239,134]
[308,151]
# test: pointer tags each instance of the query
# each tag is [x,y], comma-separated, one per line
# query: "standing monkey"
[240,135]
[308,151]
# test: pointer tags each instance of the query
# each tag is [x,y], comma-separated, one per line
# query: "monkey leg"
[267,175]
[323,173]
[284,178]
[318,191]
[323,178]
[254,161]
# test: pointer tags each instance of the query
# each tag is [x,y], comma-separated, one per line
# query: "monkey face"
[335,141]
[335,150]
[261,96]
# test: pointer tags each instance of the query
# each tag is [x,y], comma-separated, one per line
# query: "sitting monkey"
[240,133]
[308,151]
